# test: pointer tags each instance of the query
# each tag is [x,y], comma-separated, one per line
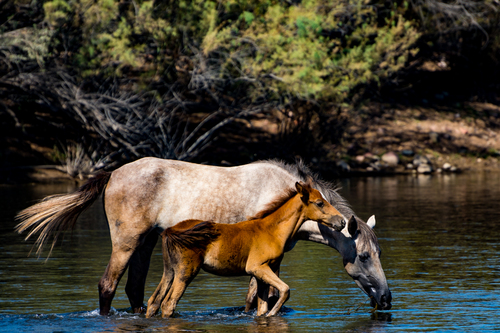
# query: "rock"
[407,152]
[344,166]
[360,158]
[370,157]
[424,168]
[446,166]
[376,165]
[390,158]
[420,159]
[434,137]
[410,166]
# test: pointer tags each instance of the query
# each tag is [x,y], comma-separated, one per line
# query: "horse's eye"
[320,204]
[364,256]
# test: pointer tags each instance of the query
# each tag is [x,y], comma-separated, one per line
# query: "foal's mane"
[303,173]
[275,204]
[196,237]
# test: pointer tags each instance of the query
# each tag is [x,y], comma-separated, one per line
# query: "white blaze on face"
[323,196]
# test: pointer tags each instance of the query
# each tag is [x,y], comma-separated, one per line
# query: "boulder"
[424,168]
[391,159]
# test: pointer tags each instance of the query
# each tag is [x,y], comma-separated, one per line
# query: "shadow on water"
[441,255]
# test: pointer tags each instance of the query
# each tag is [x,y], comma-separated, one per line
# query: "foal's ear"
[302,190]
[352,226]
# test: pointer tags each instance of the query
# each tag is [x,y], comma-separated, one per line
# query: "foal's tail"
[197,236]
[58,213]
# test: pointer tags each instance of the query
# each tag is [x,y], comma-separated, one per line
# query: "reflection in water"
[269,324]
[441,255]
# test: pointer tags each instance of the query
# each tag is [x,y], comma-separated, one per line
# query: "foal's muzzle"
[336,222]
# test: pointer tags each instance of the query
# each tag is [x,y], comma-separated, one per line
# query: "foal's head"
[316,208]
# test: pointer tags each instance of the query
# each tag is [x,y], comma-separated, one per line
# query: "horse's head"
[318,209]
[361,255]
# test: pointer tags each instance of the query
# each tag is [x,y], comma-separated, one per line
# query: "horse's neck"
[287,219]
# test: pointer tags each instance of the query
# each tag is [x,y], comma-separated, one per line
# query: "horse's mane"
[366,234]
[198,236]
[303,173]
[275,204]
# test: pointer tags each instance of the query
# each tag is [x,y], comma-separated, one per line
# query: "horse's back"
[158,193]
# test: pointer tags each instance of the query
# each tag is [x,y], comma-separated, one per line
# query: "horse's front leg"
[138,271]
[266,275]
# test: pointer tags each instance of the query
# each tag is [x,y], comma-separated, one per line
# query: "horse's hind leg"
[114,271]
[138,271]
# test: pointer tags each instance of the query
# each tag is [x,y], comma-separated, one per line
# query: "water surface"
[439,236]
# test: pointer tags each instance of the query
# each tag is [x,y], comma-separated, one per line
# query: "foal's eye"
[320,204]
[364,257]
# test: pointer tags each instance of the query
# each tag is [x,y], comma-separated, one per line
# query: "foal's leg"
[174,295]
[251,298]
[262,298]
[138,271]
[266,274]
[161,291]
[185,267]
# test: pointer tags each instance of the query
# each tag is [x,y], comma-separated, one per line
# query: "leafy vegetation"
[221,58]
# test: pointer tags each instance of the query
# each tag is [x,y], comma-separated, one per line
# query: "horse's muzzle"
[384,303]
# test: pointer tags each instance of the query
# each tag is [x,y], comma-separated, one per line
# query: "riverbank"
[378,139]
[386,139]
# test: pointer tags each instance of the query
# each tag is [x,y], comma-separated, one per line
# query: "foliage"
[312,50]
[181,56]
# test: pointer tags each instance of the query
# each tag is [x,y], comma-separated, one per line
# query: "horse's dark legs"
[138,271]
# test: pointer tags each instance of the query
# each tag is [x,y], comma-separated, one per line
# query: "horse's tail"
[197,236]
[58,213]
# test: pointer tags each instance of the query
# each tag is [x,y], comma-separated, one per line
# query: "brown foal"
[254,247]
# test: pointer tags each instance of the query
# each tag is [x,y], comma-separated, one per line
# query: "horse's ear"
[371,221]
[352,226]
[302,190]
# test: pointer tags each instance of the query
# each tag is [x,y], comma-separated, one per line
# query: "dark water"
[440,238]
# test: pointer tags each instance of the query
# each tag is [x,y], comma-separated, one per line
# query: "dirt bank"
[378,139]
